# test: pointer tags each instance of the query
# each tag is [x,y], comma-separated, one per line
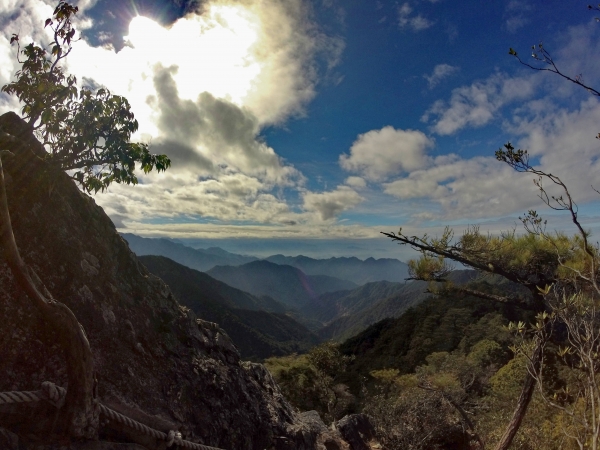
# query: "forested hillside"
[286,284]
[258,327]
[405,372]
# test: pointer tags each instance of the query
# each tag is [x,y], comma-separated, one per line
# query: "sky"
[310,126]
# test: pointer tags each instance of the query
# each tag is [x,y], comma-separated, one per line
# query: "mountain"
[439,324]
[363,315]
[352,269]
[199,259]
[333,305]
[286,284]
[153,358]
[258,326]
[345,314]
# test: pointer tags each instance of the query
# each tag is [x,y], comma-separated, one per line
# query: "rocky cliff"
[153,357]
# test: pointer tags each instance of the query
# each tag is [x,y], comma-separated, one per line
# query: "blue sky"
[306,127]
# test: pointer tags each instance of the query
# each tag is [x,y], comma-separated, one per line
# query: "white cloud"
[513,24]
[565,144]
[476,105]
[577,55]
[562,143]
[406,19]
[466,189]
[328,205]
[218,131]
[440,72]
[356,182]
[179,194]
[378,154]
[557,129]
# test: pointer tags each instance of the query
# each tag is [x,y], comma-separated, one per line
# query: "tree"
[85,133]
[536,260]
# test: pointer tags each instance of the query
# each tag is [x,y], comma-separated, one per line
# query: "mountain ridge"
[286,284]
[199,259]
[258,326]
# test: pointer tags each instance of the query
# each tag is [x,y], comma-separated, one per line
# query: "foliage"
[310,381]
[86,133]
[472,388]
[552,266]
[442,396]
[572,300]
[449,322]
[576,400]
[414,419]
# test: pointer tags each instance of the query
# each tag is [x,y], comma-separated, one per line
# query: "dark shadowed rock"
[357,430]
[151,354]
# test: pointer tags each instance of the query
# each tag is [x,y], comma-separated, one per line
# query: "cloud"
[515,14]
[578,53]
[356,182]
[565,144]
[557,128]
[476,105]
[406,19]
[220,131]
[243,66]
[474,188]
[440,72]
[561,142]
[380,153]
[329,205]
[513,24]
[180,195]
[184,155]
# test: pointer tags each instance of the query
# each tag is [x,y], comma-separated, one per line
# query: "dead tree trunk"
[524,400]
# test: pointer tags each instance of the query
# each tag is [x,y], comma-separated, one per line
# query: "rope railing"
[56,394]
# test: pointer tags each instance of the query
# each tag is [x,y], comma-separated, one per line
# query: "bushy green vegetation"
[442,324]
[311,381]
[446,374]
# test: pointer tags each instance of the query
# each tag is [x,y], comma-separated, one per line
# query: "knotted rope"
[56,395]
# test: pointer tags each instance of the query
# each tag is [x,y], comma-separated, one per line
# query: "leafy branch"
[85,133]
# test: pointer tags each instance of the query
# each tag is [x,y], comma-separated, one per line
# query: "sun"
[214,52]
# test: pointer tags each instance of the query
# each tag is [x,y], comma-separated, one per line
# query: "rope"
[19,397]
[55,394]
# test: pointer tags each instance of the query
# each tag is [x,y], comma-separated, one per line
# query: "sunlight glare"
[213,52]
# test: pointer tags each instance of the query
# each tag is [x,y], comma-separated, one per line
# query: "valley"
[304,300]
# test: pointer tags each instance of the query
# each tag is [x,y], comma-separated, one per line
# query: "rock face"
[150,353]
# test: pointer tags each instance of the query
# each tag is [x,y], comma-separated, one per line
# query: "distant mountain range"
[266,301]
[199,259]
[352,269]
[287,284]
[257,325]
